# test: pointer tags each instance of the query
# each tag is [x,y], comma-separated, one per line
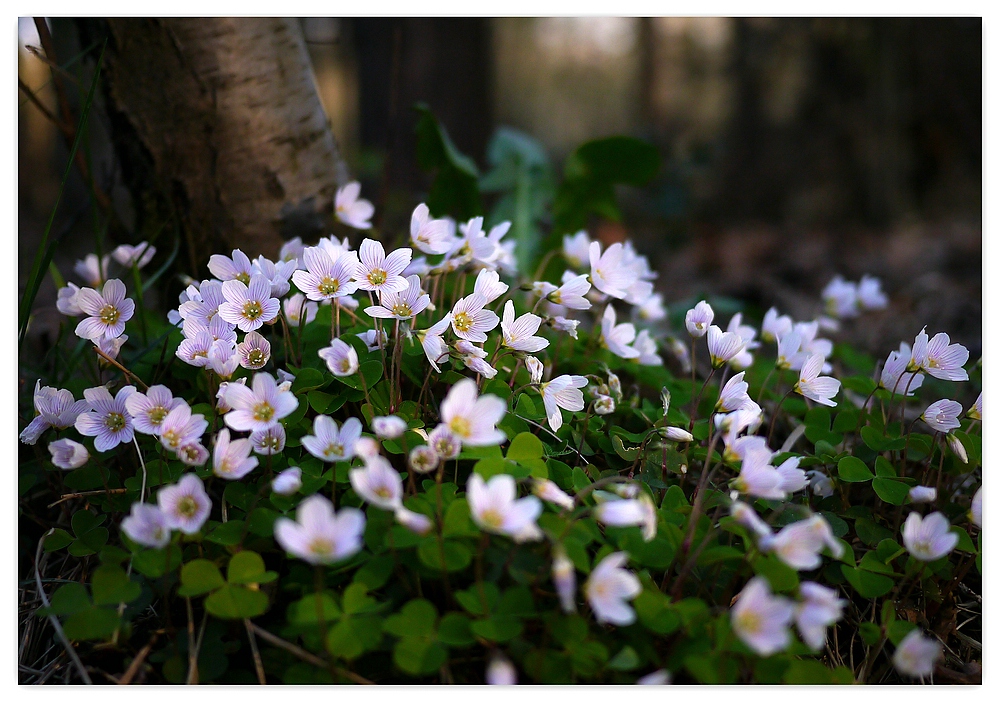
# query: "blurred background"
[792,149]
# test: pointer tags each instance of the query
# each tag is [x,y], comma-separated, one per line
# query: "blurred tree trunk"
[227,113]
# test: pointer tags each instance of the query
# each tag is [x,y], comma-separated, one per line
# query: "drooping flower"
[139,255]
[248,307]
[270,441]
[379,272]
[423,459]
[957,447]
[433,344]
[185,505]
[629,512]
[181,427]
[576,249]
[675,434]
[428,235]
[471,320]
[733,395]
[519,333]
[109,423]
[607,271]
[562,392]
[604,405]
[260,407]
[330,443]
[298,306]
[107,311]
[489,286]
[474,358]
[757,476]
[535,369]
[373,339]
[698,319]
[68,454]
[473,418]
[617,338]
[56,409]
[894,376]
[813,386]
[942,416]
[277,273]
[572,293]
[928,538]
[92,270]
[66,300]
[938,357]
[255,351]
[287,482]
[401,305]
[819,609]
[792,478]
[340,357]
[761,620]
[923,494]
[564,578]
[645,345]
[744,514]
[798,544]
[548,490]
[231,459]
[411,520]
[350,209]
[723,346]
[917,654]
[146,525]
[320,535]
[495,508]
[388,427]
[610,588]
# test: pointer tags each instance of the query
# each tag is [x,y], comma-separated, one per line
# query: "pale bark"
[229,111]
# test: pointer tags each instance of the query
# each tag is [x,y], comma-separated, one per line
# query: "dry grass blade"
[55,621]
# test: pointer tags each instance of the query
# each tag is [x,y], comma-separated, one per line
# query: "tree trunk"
[229,113]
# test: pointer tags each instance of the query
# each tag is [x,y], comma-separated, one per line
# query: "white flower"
[378,484]
[66,301]
[109,423]
[270,441]
[428,235]
[320,535]
[790,353]
[92,270]
[870,296]
[411,520]
[894,376]
[604,405]
[813,386]
[645,345]
[761,619]
[775,326]
[500,671]
[388,427]
[330,443]
[792,478]
[629,512]
[181,427]
[350,209]
[917,655]
[470,320]
[576,249]
[259,408]
[366,448]
[287,482]
[923,494]
[939,358]
[744,514]
[222,358]
[444,442]
[698,319]
[401,305]
[734,395]
[68,454]
[107,311]
[237,268]
[472,418]
[841,298]
[276,273]
[474,358]
[572,293]
[929,538]
[340,357]
[607,271]
[248,307]
[976,412]
[548,490]
[609,589]
[535,369]
[564,325]
[326,278]
[423,459]
[193,454]
[56,409]
[379,272]
[819,609]
[489,286]
[675,434]
[976,510]
[146,525]
[291,251]
[519,334]
[757,477]
[202,305]
[564,578]
[185,505]
[723,346]
[231,459]
[617,338]
[373,339]
[656,677]
[495,508]
[942,416]
[110,347]
[434,345]
[254,351]
[651,309]
[140,255]
[562,392]
[798,544]
[296,306]
[819,483]
[957,447]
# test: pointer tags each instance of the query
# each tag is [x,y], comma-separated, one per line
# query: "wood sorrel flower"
[942,416]
[330,443]
[146,525]
[938,357]
[723,346]
[428,235]
[320,535]
[435,348]
[109,423]
[181,427]
[107,311]
[617,338]
[235,268]
[231,459]
[609,274]
[68,454]
[519,334]
[379,272]
[401,305]
[423,459]
[56,409]
[352,210]
[254,351]
[388,427]
[270,441]
[698,319]
[761,619]
[340,357]
[470,320]
[139,255]
[473,418]
[326,277]
[917,655]
[813,386]
[378,483]
[562,392]
[929,538]
[818,609]
[564,578]
[495,508]
[287,482]
[248,307]
[260,407]
[610,588]
[185,505]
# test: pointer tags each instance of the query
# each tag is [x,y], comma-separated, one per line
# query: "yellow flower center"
[114,422]
[187,507]
[402,310]
[460,426]
[171,437]
[270,442]
[491,518]
[109,314]
[328,286]
[156,415]
[252,310]
[377,277]
[263,411]
[335,449]
[383,492]
[345,365]
[320,546]
[462,321]
[256,358]
[244,277]
[749,622]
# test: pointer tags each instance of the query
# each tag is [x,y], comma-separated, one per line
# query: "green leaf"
[472,599]
[353,635]
[111,586]
[525,446]
[497,629]
[228,533]
[357,601]
[891,491]
[897,630]
[156,563]
[807,672]
[308,379]
[314,608]
[626,659]
[457,520]
[454,630]
[780,576]
[883,468]
[200,577]
[418,656]
[870,632]
[233,601]
[247,567]
[68,599]
[965,543]
[451,556]
[57,540]
[92,624]
[867,584]
[851,469]
[870,532]
[417,617]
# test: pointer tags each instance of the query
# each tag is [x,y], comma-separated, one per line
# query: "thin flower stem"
[118,364]
[774,416]
[697,401]
[257,662]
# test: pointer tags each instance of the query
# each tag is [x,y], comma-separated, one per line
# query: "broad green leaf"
[110,585]
[891,491]
[200,577]
[232,601]
[867,584]
[92,624]
[525,446]
[851,469]
[247,567]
